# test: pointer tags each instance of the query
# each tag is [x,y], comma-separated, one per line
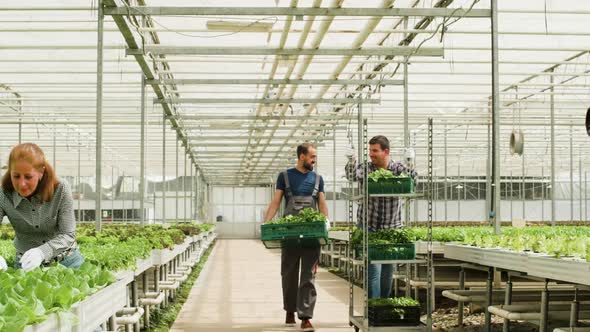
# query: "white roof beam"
[264,101]
[197,50]
[274,81]
[286,11]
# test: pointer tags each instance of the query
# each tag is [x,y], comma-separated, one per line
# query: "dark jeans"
[299,293]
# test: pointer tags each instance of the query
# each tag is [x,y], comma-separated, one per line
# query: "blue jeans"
[74,260]
[380,280]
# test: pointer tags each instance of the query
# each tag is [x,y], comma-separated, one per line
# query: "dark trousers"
[299,294]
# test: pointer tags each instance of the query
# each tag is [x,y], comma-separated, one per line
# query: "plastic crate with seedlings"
[398,311]
[382,181]
[387,244]
[306,228]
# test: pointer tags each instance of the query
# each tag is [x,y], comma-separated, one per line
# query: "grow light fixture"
[239,26]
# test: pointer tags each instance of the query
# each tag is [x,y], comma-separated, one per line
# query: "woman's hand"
[31,259]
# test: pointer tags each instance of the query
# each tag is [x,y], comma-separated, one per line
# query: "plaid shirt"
[49,226]
[384,212]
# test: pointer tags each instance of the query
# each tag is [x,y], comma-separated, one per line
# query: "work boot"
[290,319]
[306,326]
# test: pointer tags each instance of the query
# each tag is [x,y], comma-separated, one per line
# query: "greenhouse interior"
[295,165]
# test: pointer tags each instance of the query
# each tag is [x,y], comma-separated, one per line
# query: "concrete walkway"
[239,289]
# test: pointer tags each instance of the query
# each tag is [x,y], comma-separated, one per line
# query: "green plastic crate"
[392,186]
[294,234]
[379,252]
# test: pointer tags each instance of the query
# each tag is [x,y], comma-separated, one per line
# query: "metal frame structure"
[327,51]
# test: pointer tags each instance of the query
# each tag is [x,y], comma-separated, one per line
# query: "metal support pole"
[334,173]
[79,182]
[552,104]
[458,190]
[99,73]
[446,176]
[585,195]
[112,323]
[507,301]
[488,175]
[544,309]
[543,192]
[184,189]
[489,290]
[460,304]
[571,174]
[122,192]
[112,191]
[142,156]
[176,182]
[192,189]
[197,192]
[406,128]
[575,310]
[496,120]
[134,302]
[580,182]
[163,167]
[522,191]
[429,264]
[511,197]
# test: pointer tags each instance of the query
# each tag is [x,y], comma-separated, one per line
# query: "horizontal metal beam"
[264,101]
[222,144]
[228,138]
[288,11]
[377,51]
[265,117]
[274,81]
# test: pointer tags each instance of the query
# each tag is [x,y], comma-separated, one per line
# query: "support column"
[544,309]
[495,120]
[142,156]
[184,189]
[460,304]
[333,216]
[99,73]
[522,189]
[552,104]
[112,190]
[543,192]
[446,176]
[571,174]
[458,190]
[176,182]
[580,182]
[163,167]
[507,301]
[489,296]
[79,171]
[193,188]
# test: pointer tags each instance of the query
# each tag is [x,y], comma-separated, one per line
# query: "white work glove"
[3,265]
[327,224]
[350,152]
[31,259]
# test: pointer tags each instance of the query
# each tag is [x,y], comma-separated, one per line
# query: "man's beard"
[308,166]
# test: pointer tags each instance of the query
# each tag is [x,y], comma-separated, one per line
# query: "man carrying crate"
[383,212]
[302,188]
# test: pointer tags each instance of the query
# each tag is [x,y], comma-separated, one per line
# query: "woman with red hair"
[39,207]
